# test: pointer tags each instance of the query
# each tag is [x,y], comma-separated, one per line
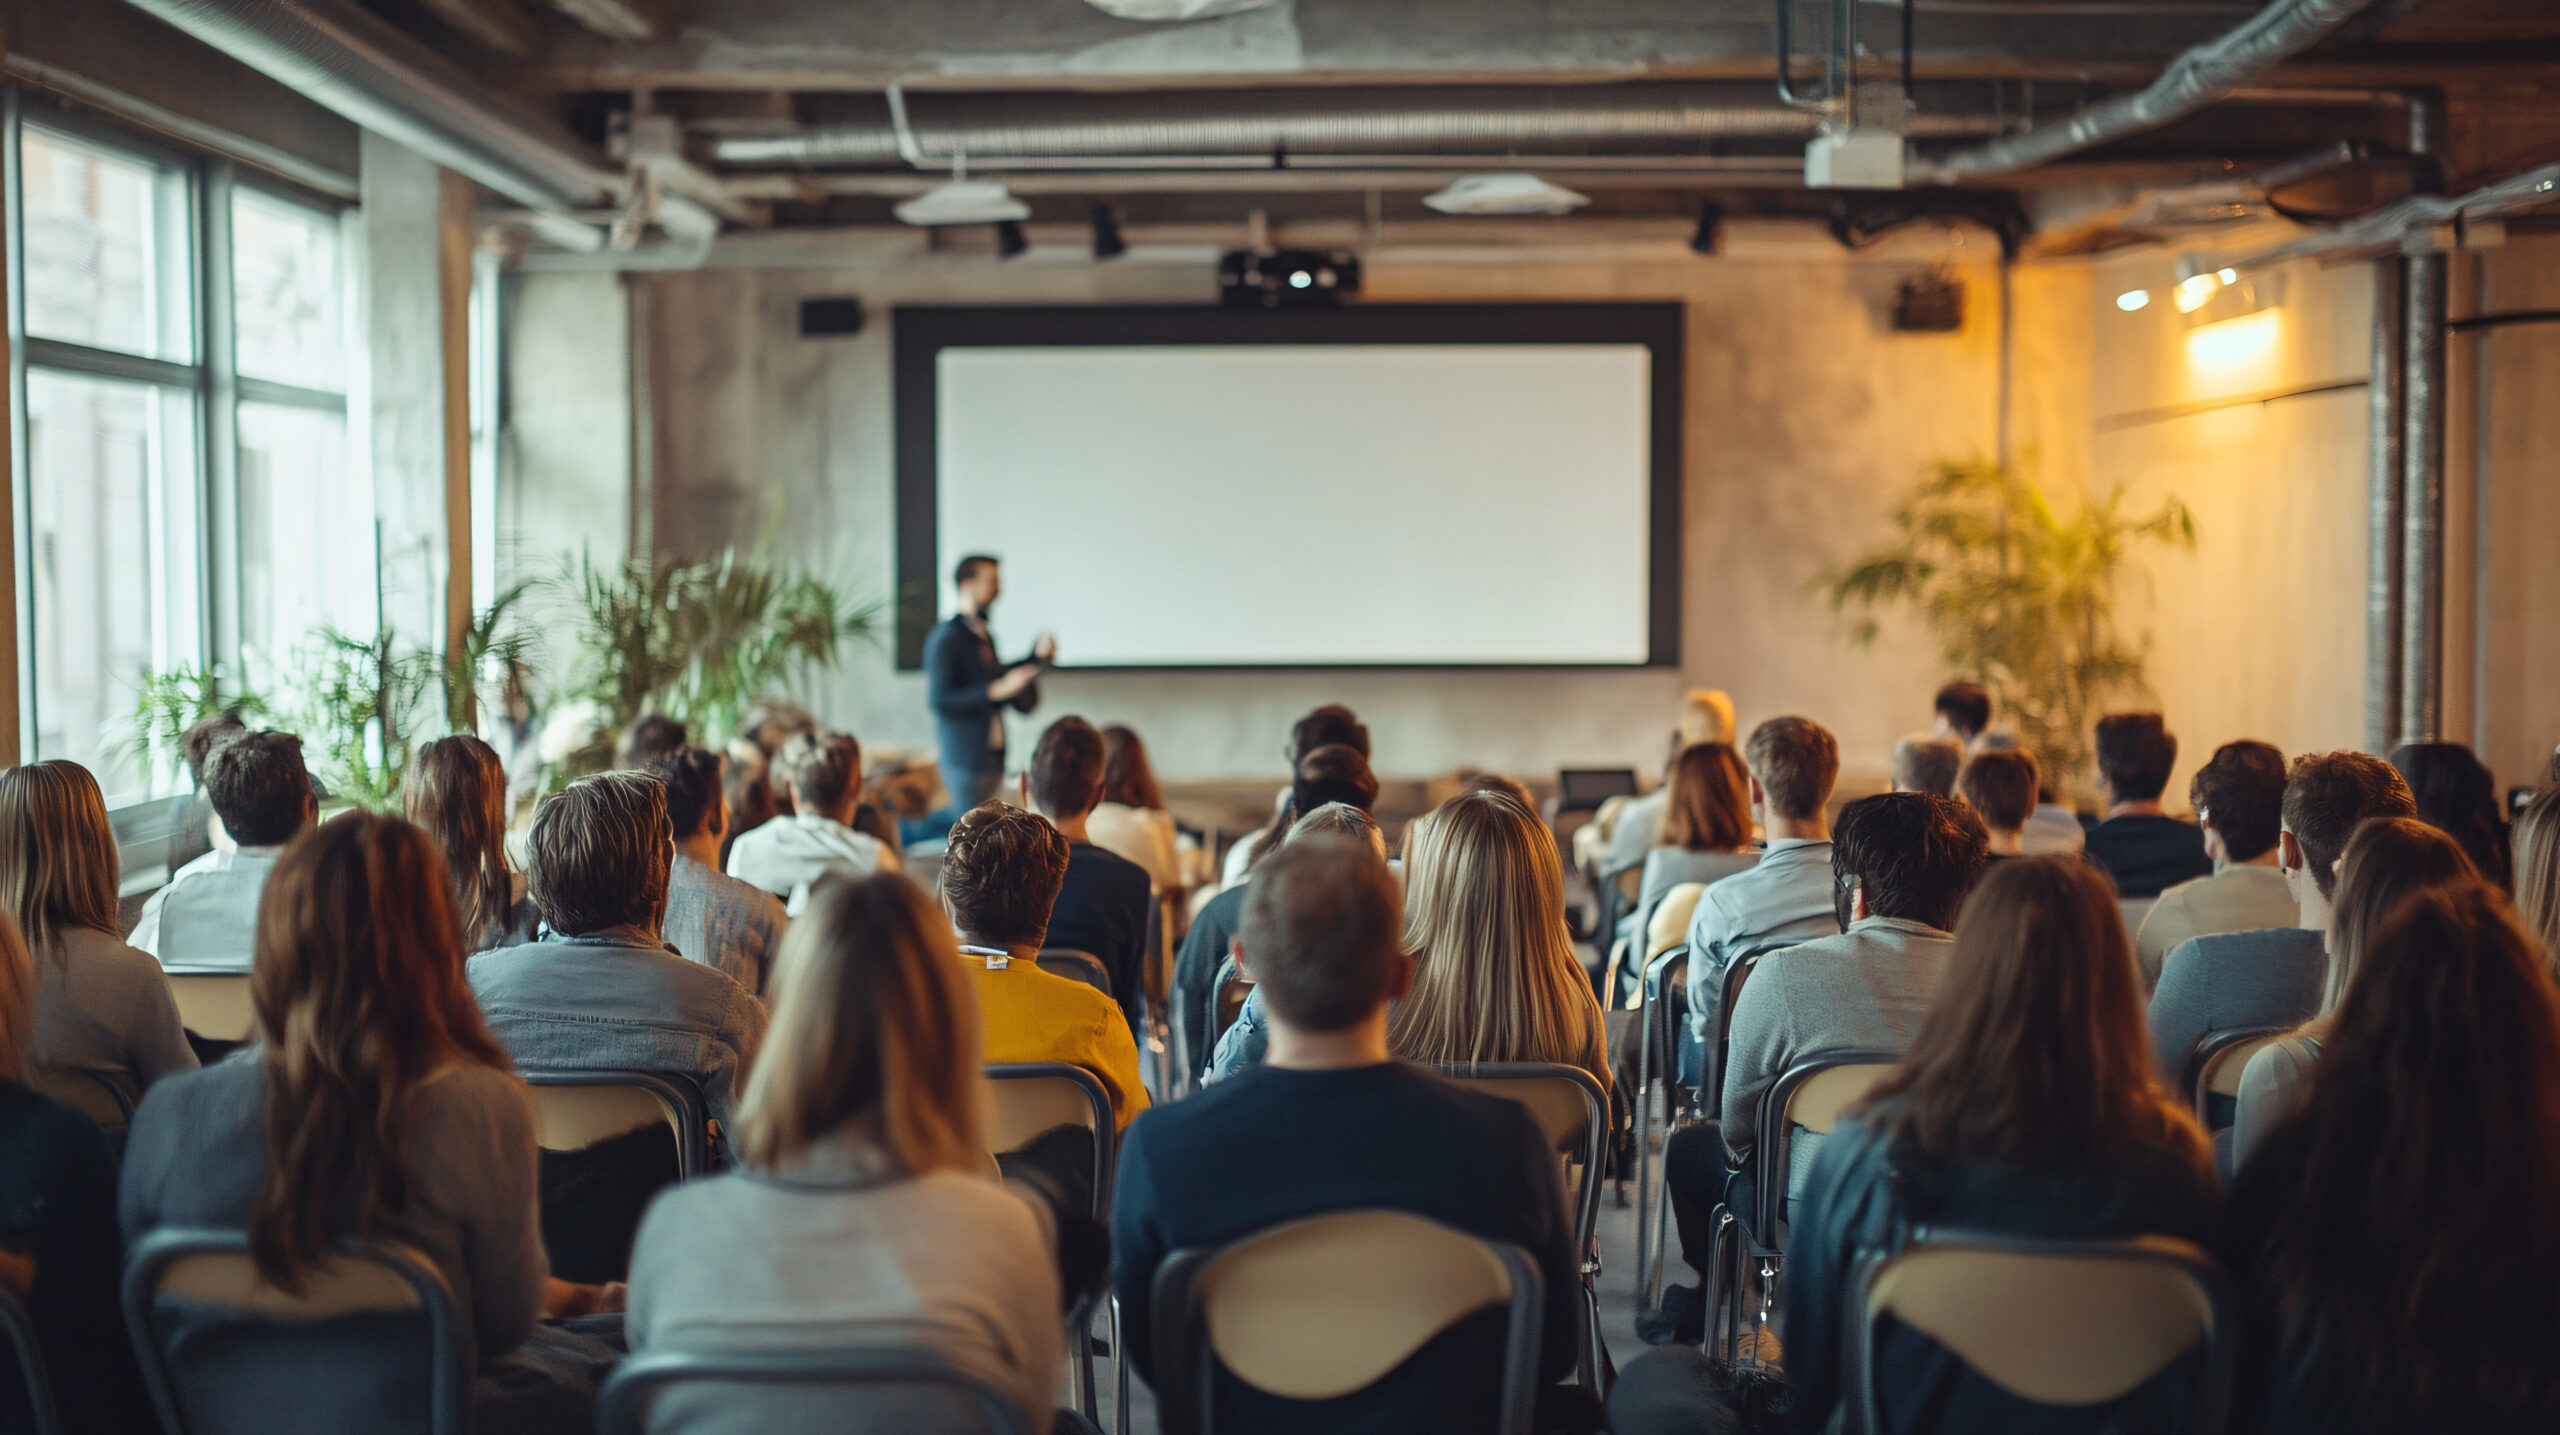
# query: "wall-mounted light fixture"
[2133,299]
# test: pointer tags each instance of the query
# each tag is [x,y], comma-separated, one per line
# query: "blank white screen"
[1318,504]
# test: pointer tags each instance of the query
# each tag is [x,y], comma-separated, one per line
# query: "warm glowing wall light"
[2191,294]
[2133,299]
[2234,342]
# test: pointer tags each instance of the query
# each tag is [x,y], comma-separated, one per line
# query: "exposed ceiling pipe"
[1499,122]
[348,60]
[2193,80]
[2386,229]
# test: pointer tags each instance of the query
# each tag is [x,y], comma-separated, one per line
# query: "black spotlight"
[1710,218]
[1009,239]
[1107,243]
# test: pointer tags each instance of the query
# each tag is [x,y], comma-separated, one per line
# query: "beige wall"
[2512,656]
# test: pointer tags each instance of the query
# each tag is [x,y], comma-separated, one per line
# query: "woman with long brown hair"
[2394,1238]
[1706,830]
[456,789]
[2026,1104]
[1495,976]
[373,1100]
[867,1207]
[100,1005]
[1132,821]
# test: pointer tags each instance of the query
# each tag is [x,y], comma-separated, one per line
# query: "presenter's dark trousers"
[969,786]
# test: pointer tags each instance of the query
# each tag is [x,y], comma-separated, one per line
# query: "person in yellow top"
[1001,872]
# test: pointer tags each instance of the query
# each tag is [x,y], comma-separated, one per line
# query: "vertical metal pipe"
[2422,501]
[2382,516]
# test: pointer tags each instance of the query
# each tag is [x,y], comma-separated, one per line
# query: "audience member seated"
[60,1252]
[713,918]
[1335,773]
[2053,830]
[823,773]
[755,796]
[2537,872]
[206,919]
[198,827]
[1494,975]
[2239,801]
[643,744]
[600,991]
[2394,1241]
[2025,1106]
[1329,726]
[864,1216]
[99,1005]
[456,789]
[1706,836]
[2145,849]
[2456,793]
[2230,980]
[1903,863]
[1131,820]
[1000,878]
[374,1101]
[1927,764]
[2000,787]
[1103,904]
[1786,898]
[1634,829]
[2387,862]
[1332,1123]
[1245,1040]
[1963,712]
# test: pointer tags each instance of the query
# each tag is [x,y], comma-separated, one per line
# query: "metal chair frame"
[1653,1210]
[2209,1397]
[622,1405]
[1186,1365]
[1077,965]
[75,1074]
[18,1326]
[1592,1357]
[678,1094]
[450,1385]
[1106,1134]
[2209,1048]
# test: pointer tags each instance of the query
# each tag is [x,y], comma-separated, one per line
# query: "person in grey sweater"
[713,918]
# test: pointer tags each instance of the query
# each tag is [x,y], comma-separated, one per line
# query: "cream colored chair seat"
[214,1005]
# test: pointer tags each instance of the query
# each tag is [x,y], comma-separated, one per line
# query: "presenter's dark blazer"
[958,666]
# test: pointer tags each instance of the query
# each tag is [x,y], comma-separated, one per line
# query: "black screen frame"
[918,335]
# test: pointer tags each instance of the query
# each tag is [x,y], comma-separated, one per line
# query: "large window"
[185,484]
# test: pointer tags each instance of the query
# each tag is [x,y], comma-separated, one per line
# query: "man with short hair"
[713,918]
[206,918]
[1000,878]
[1328,726]
[1245,1040]
[1963,710]
[2145,849]
[969,688]
[1103,906]
[653,736]
[2238,798]
[1786,898]
[1927,764]
[600,990]
[823,770]
[1332,1122]
[2229,980]
[1337,772]
[2000,787]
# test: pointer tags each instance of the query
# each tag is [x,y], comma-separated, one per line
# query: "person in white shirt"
[206,919]
[823,770]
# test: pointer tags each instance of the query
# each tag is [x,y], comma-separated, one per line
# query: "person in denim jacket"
[600,990]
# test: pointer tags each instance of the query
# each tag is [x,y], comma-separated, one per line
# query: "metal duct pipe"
[1496,122]
[2422,500]
[2193,80]
[2382,591]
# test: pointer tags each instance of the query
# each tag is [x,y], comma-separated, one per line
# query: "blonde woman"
[866,1210]
[1495,976]
[99,1005]
[2537,843]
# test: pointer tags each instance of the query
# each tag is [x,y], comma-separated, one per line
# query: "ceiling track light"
[1107,240]
[1710,220]
[1010,240]
[1483,195]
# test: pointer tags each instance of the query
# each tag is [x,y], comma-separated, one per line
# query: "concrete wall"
[2512,656]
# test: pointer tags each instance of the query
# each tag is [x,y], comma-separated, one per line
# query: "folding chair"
[1076,965]
[593,1204]
[975,1407]
[93,1094]
[1810,1097]
[1619,888]
[2070,1323]
[214,1005]
[2214,1070]
[1573,1111]
[1653,1206]
[1324,1307]
[1666,927]
[31,1401]
[573,1110]
[1024,1101]
[370,1344]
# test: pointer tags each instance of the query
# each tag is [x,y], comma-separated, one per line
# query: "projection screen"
[1372,501]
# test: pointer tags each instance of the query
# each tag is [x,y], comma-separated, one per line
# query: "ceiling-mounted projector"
[1491,194]
[964,201]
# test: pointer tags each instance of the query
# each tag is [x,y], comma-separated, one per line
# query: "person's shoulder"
[1103,859]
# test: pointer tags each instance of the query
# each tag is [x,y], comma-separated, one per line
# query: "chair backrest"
[371,1342]
[1670,926]
[1711,1062]
[1076,966]
[1810,1096]
[2069,1323]
[28,1395]
[214,1005]
[1025,1099]
[1569,1107]
[573,1110]
[1324,1307]
[2220,1058]
[93,1094]
[948,1400]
